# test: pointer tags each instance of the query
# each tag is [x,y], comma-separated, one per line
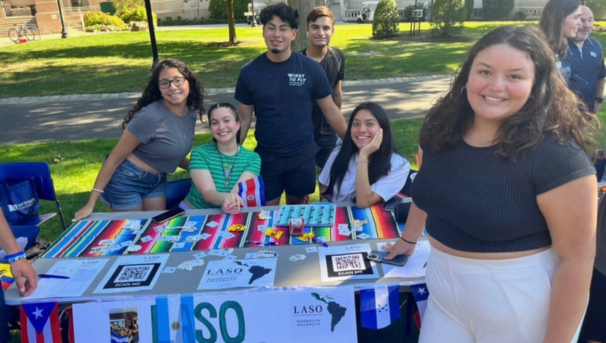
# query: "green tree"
[447,17]
[598,7]
[497,9]
[230,10]
[386,20]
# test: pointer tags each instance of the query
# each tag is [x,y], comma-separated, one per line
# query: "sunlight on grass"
[119,62]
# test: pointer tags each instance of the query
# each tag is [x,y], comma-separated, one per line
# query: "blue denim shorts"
[130,185]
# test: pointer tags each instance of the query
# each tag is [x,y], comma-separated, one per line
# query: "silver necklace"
[226,167]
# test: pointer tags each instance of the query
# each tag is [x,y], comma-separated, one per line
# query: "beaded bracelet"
[409,242]
[15,257]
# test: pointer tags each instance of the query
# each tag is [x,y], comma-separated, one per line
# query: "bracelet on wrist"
[98,190]
[15,257]
[407,241]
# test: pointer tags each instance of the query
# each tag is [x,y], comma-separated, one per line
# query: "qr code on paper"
[348,262]
[134,273]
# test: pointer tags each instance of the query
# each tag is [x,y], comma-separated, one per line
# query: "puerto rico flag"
[173,319]
[252,191]
[40,323]
[421,293]
[379,306]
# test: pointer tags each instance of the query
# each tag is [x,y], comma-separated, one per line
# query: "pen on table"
[51,276]
[263,243]
[319,241]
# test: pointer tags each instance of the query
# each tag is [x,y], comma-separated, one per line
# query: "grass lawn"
[120,62]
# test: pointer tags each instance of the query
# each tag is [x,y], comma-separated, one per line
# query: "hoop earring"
[463,89]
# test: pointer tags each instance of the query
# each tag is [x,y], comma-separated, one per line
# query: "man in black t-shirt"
[320,29]
[280,86]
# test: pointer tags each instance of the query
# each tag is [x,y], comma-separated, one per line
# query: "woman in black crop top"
[507,195]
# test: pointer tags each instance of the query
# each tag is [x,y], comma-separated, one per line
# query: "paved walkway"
[89,116]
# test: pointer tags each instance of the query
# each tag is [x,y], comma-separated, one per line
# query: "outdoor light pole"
[63,30]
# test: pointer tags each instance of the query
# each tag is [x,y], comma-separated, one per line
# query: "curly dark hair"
[152,93]
[552,18]
[282,11]
[380,160]
[550,108]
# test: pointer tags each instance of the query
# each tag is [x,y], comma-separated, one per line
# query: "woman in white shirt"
[367,168]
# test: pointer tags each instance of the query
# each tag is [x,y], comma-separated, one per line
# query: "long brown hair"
[152,92]
[551,107]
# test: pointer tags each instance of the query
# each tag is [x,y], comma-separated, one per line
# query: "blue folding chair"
[45,188]
[176,191]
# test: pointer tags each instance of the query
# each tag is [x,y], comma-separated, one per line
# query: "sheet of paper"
[415,267]
[81,274]
[132,273]
[222,274]
[343,262]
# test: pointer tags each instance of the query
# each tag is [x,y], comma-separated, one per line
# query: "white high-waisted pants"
[488,301]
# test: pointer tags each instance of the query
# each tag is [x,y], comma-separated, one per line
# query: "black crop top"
[480,202]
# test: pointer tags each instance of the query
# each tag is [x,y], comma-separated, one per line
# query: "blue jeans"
[131,184]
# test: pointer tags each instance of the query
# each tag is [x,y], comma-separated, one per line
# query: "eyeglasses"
[177,81]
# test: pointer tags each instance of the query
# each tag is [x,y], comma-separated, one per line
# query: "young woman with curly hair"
[507,193]
[158,135]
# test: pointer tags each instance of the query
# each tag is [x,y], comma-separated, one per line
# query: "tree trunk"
[304,7]
[231,22]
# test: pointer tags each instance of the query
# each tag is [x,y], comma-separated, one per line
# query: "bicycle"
[24,30]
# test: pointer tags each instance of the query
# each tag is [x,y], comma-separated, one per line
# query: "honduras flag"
[420,293]
[119,337]
[252,192]
[174,319]
[379,306]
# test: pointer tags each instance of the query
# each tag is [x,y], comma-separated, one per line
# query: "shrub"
[408,14]
[128,15]
[120,4]
[386,19]
[497,9]
[105,28]
[98,17]
[169,21]
[598,7]
[447,17]
[519,16]
[468,9]
[218,8]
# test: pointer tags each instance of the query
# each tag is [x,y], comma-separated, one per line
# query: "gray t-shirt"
[165,137]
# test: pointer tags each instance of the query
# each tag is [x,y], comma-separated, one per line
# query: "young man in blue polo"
[587,64]
[280,87]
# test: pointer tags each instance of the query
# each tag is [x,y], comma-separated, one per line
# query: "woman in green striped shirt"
[216,168]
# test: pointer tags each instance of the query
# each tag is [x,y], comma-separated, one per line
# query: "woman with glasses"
[158,135]
[218,167]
